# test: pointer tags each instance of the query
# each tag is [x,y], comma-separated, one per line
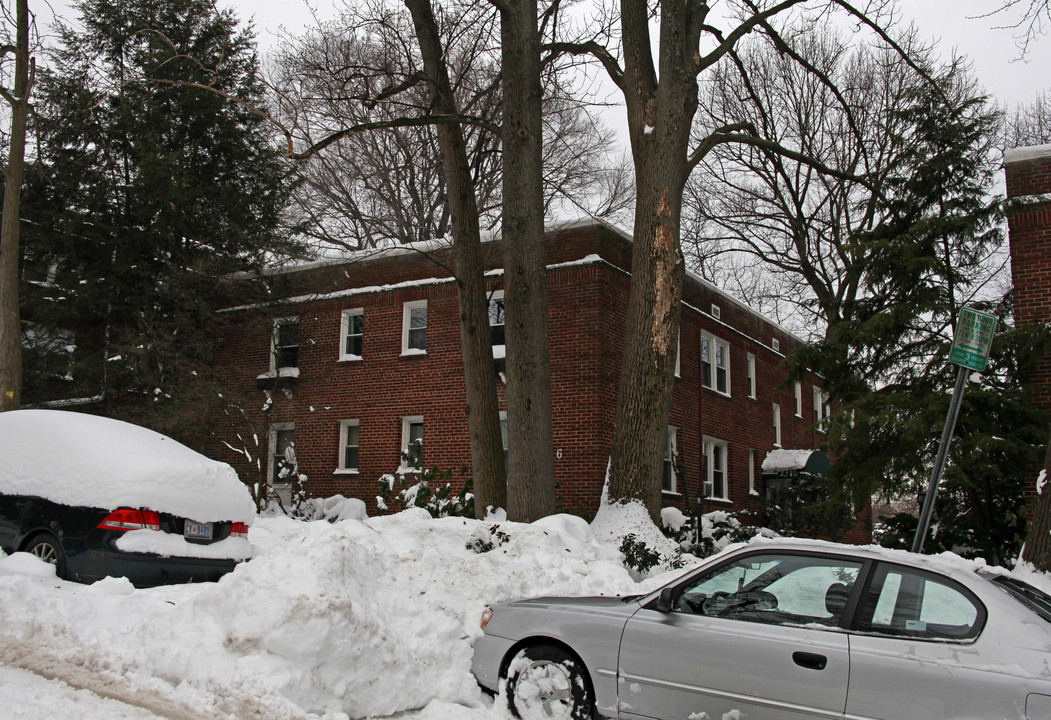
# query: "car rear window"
[1036,600]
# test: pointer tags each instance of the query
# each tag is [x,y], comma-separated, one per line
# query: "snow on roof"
[782,460]
[83,460]
[1034,152]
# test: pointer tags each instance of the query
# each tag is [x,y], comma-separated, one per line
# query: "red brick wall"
[587,306]
[1029,227]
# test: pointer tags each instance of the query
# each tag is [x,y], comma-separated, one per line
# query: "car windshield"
[1036,600]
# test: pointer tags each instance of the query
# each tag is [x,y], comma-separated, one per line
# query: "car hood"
[599,603]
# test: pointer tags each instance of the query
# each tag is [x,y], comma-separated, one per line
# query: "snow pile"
[76,459]
[367,618]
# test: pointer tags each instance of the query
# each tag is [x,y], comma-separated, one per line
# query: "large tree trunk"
[483,415]
[10,321]
[660,115]
[531,463]
[1038,536]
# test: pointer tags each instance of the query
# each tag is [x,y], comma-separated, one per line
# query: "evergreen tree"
[886,359]
[150,187]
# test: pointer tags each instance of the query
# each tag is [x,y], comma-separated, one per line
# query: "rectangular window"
[503,437]
[678,355]
[412,443]
[284,344]
[716,312]
[777,425]
[751,376]
[668,477]
[775,344]
[282,454]
[352,331]
[713,467]
[414,328]
[751,473]
[496,320]
[715,364]
[798,387]
[822,409]
[348,446]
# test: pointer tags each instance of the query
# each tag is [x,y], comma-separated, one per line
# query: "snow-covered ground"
[361,618]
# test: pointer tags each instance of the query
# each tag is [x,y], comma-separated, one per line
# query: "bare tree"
[376,187]
[1029,124]
[10,322]
[1029,19]
[659,81]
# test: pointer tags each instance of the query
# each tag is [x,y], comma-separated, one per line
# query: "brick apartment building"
[355,360]
[1028,172]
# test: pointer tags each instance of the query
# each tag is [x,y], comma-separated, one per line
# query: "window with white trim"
[503,436]
[716,312]
[751,473]
[497,321]
[751,376]
[284,344]
[282,446]
[348,446]
[668,475]
[411,443]
[414,328]
[822,409]
[777,425]
[352,333]
[713,468]
[715,363]
[798,393]
[775,344]
[678,355]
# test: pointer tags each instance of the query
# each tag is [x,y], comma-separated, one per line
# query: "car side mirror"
[665,601]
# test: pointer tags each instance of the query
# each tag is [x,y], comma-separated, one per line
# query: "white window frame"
[798,394]
[716,312]
[406,317]
[751,472]
[714,343]
[822,409]
[671,450]
[274,332]
[497,295]
[707,450]
[406,426]
[777,425]
[753,382]
[775,344]
[678,354]
[271,442]
[344,431]
[344,331]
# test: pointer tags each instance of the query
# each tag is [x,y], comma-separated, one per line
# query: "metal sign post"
[970,350]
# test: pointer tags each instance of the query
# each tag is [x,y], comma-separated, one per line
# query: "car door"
[919,634]
[757,637]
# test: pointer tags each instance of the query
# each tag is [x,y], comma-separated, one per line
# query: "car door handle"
[811,661]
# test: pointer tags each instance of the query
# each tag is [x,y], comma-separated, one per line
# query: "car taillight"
[127,519]
[239,529]
[487,615]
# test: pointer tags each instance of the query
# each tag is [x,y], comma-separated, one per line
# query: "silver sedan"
[782,630]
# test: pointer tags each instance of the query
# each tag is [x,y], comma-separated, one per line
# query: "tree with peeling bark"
[10,320]
[659,82]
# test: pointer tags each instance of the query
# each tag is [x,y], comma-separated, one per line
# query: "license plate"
[197,531]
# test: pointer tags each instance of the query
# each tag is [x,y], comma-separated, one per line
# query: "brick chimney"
[1028,173]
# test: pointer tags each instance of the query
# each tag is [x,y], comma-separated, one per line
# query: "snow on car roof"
[76,459]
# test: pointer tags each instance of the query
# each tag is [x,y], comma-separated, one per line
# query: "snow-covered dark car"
[779,630]
[97,497]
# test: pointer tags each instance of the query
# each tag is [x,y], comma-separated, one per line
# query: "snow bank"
[76,459]
[367,618]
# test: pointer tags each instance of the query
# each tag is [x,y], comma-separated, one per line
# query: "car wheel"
[545,681]
[48,548]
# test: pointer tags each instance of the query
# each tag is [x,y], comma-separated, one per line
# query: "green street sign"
[974,335]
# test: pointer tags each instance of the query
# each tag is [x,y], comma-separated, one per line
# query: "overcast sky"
[953,23]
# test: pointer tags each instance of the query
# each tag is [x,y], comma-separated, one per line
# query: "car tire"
[48,548]
[546,681]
